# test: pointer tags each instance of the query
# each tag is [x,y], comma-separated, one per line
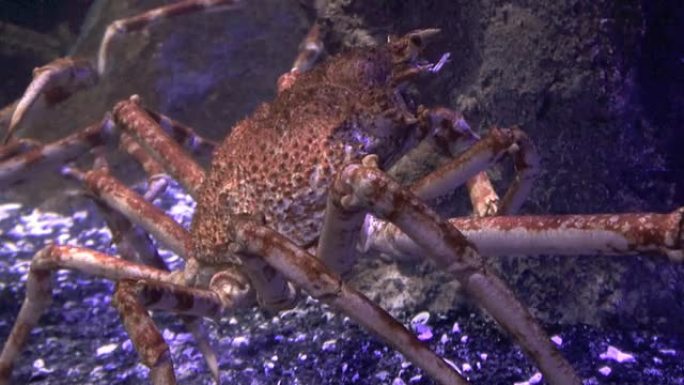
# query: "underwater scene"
[341,192]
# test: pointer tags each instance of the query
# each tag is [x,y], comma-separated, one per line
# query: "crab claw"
[56,81]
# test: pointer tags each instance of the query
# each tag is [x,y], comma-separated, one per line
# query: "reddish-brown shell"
[278,162]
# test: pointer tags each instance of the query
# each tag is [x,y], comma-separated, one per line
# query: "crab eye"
[417,41]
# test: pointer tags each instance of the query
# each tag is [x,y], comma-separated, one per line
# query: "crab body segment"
[280,161]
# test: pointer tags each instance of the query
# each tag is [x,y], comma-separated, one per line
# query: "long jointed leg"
[445,133]
[253,240]
[142,138]
[366,187]
[134,120]
[39,290]
[122,207]
[181,134]
[57,153]
[133,240]
[186,136]
[135,245]
[593,234]
[148,18]
[228,290]
[139,211]
[157,179]
[448,134]
[133,299]
[310,50]
[17,147]
[135,208]
[54,82]
[478,158]
[483,197]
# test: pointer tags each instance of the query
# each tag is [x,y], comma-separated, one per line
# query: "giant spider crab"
[301,177]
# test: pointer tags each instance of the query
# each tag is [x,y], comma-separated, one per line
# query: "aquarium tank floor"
[80,339]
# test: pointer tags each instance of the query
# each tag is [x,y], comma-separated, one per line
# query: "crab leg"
[136,209]
[594,234]
[230,288]
[147,18]
[132,299]
[189,301]
[152,349]
[481,156]
[183,134]
[19,157]
[17,147]
[442,131]
[364,187]
[256,241]
[448,133]
[483,197]
[273,290]
[157,179]
[38,289]
[131,118]
[56,153]
[135,245]
[310,50]
[55,81]
[115,200]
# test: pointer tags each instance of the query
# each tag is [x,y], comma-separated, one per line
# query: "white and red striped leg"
[364,188]
[52,83]
[591,234]
[272,288]
[310,51]
[186,136]
[157,178]
[133,299]
[479,157]
[63,77]
[39,289]
[148,18]
[133,120]
[255,241]
[447,134]
[142,137]
[56,154]
[227,289]
[135,245]
[17,147]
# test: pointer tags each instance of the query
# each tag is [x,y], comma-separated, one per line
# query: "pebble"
[613,353]
[106,349]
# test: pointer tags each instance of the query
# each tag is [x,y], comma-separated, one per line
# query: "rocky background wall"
[596,84]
